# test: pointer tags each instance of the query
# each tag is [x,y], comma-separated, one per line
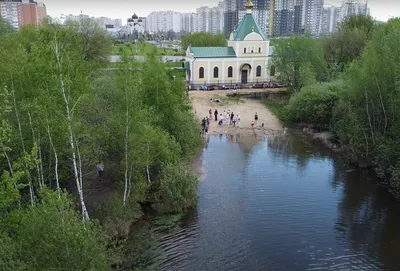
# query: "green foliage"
[5,28]
[314,104]
[367,115]
[299,61]
[63,244]
[203,39]
[348,43]
[178,188]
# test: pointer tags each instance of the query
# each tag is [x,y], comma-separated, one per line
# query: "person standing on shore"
[232,116]
[210,113]
[216,114]
[256,118]
[238,120]
[234,121]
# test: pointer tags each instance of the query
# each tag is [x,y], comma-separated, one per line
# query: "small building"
[244,61]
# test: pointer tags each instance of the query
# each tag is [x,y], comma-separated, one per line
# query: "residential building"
[22,12]
[190,22]
[313,16]
[282,14]
[164,21]
[235,11]
[243,61]
[330,19]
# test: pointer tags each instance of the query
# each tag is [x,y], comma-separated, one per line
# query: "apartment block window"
[201,72]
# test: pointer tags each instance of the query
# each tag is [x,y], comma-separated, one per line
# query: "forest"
[349,83]
[63,113]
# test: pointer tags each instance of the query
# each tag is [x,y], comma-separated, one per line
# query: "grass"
[278,109]
[228,100]
[144,48]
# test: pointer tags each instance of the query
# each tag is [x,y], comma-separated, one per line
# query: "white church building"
[243,61]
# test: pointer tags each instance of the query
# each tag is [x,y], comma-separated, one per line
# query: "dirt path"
[246,108]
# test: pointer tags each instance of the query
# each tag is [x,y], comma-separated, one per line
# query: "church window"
[201,72]
[230,72]
[244,50]
[215,72]
[258,71]
[259,49]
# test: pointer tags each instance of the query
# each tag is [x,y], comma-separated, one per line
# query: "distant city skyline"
[382,10]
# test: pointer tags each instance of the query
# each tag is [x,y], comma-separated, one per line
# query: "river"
[284,203]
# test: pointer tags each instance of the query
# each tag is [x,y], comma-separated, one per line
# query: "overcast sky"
[380,9]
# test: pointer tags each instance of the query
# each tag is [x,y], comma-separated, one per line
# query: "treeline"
[349,83]
[203,39]
[62,113]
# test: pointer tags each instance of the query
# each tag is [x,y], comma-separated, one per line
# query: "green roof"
[245,27]
[204,52]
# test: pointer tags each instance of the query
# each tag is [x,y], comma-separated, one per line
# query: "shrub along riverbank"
[62,115]
[356,95]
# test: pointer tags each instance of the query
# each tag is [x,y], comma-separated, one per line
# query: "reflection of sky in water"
[280,203]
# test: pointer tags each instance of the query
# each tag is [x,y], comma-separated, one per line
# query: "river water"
[284,203]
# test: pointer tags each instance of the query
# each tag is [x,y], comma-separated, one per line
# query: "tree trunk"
[40,160]
[369,116]
[31,193]
[147,164]
[85,215]
[126,148]
[11,173]
[383,107]
[56,164]
[35,140]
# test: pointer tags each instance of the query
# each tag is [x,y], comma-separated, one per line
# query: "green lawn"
[144,48]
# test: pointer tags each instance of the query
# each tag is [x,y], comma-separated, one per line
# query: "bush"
[177,189]
[314,104]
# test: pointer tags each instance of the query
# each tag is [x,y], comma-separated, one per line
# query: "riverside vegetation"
[348,83]
[61,113]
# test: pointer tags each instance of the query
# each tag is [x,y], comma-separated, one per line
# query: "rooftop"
[247,26]
[210,52]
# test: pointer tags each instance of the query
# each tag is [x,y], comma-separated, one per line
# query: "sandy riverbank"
[246,108]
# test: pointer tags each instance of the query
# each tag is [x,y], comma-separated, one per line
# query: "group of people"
[225,118]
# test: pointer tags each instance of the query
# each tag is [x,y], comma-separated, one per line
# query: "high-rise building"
[330,19]
[282,14]
[22,12]
[235,11]
[164,21]
[190,22]
[211,19]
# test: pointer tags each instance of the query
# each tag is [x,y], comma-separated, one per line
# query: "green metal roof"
[208,52]
[245,27]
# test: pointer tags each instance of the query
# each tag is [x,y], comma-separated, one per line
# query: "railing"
[233,85]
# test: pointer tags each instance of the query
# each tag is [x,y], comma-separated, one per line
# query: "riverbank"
[203,101]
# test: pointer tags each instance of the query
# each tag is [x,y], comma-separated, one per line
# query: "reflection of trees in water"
[368,218]
[295,146]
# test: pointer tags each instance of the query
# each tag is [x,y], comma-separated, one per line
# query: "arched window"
[272,73]
[259,49]
[244,50]
[201,72]
[258,71]
[215,72]
[230,72]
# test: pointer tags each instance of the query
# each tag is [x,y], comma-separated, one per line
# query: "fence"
[233,85]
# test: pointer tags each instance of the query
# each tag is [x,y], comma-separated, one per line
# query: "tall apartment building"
[22,12]
[330,19]
[282,14]
[235,10]
[211,19]
[190,22]
[164,21]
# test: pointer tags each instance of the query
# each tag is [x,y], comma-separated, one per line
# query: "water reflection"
[284,203]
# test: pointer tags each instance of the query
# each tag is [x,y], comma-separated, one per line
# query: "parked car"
[212,87]
[223,87]
[276,85]
[203,87]
[259,85]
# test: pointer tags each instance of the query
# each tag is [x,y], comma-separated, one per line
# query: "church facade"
[243,61]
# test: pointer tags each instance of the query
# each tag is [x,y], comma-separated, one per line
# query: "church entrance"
[244,76]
